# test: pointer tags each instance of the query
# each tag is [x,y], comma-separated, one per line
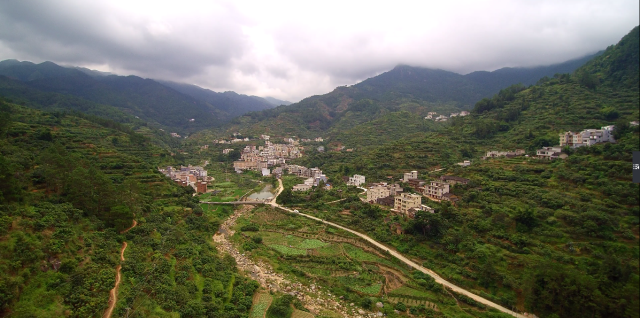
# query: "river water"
[264,194]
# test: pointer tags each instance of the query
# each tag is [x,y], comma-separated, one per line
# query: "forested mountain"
[231,103]
[70,186]
[554,238]
[185,109]
[405,88]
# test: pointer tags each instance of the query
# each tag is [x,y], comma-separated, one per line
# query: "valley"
[417,192]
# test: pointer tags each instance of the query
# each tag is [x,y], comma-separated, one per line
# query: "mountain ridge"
[402,88]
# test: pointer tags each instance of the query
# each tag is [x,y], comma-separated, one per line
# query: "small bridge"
[235,202]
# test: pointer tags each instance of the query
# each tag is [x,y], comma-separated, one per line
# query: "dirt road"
[113,293]
[409,262]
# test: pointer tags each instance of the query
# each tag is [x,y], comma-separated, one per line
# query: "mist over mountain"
[232,103]
[414,90]
[179,107]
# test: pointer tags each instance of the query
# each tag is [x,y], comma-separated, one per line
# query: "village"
[407,204]
[271,159]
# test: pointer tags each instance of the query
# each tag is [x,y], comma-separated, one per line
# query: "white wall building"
[410,175]
[356,180]
[377,192]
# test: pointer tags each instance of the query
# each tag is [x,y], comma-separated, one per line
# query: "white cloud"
[293,49]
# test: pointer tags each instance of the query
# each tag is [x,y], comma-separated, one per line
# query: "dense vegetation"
[69,186]
[553,238]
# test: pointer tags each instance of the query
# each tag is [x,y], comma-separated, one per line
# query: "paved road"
[405,260]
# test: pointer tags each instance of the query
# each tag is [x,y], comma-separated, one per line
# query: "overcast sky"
[294,49]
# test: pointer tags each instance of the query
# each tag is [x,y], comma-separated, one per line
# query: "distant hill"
[177,107]
[405,88]
[277,102]
[231,103]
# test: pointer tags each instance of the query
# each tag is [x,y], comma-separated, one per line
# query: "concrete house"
[454,180]
[550,153]
[436,189]
[410,175]
[356,180]
[377,192]
[406,201]
[301,187]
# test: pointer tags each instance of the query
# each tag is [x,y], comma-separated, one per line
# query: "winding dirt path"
[411,263]
[113,293]
[405,260]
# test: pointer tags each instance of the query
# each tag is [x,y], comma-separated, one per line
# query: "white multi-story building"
[356,180]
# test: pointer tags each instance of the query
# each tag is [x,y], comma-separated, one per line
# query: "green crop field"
[287,250]
[371,290]
[311,244]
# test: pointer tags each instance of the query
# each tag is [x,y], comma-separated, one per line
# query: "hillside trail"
[113,293]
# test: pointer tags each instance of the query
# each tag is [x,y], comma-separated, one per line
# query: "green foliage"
[65,201]
[250,228]
[281,307]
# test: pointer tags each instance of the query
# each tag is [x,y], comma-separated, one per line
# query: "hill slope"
[405,88]
[545,237]
[231,103]
[69,185]
[160,104]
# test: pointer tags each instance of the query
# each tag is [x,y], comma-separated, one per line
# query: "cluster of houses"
[408,204]
[587,137]
[192,176]
[314,177]
[436,117]
[261,158]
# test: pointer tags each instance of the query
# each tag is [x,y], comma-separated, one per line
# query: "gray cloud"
[290,50]
[93,33]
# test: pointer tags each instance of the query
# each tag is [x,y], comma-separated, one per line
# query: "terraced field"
[261,303]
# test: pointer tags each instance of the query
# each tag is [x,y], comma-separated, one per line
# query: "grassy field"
[288,250]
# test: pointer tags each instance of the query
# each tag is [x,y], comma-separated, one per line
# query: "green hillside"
[69,185]
[559,238]
[404,88]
